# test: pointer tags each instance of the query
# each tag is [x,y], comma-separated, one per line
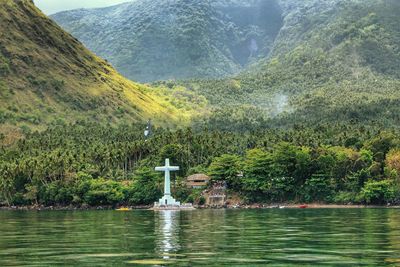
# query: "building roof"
[198,177]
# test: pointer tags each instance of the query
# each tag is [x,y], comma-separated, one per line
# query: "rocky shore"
[67,208]
[145,207]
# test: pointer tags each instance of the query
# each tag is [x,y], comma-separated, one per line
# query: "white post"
[167,179]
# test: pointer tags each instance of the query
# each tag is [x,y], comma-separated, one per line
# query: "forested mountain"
[48,75]
[332,61]
[148,40]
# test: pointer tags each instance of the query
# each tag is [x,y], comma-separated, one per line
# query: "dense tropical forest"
[90,164]
[313,118]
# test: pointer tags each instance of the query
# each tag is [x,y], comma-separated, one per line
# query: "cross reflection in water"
[167,233]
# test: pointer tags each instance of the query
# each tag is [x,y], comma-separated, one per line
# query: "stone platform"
[172,207]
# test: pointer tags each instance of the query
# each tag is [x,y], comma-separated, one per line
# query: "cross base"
[161,207]
[167,200]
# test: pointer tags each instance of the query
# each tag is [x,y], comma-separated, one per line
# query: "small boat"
[303,206]
[124,209]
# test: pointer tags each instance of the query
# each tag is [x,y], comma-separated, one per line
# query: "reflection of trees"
[204,231]
[69,238]
[364,236]
[316,236]
[393,235]
[167,233]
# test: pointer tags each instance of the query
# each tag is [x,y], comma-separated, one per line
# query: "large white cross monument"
[167,199]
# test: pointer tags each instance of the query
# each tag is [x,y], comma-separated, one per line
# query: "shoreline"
[232,207]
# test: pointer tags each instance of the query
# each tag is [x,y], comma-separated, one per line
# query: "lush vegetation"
[104,165]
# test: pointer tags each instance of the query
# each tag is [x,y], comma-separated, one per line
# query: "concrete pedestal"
[168,200]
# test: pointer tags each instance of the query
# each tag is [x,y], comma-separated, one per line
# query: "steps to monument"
[185,206]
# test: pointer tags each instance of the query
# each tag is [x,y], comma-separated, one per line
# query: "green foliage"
[226,168]
[7,174]
[52,194]
[381,145]
[379,192]
[265,178]
[335,62]
[346,198]
[318,188]
[105,192]
[146,187]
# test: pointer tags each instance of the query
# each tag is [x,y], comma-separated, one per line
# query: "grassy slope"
[47,75]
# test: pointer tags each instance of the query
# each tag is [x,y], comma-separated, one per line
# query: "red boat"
[303,206]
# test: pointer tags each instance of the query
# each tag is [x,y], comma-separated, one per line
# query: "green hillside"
[46,75]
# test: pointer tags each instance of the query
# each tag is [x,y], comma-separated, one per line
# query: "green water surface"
[273,237]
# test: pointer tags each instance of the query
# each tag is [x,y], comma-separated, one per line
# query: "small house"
[197,180]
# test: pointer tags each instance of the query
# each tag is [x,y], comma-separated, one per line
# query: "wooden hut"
[197,180]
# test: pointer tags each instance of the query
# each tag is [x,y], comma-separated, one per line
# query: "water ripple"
[201,238]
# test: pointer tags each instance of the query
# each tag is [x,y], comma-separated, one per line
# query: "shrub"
[202,201]
[393,163]
[226,168]
[346,198]
[379,192]
[318,188]
[53,194]
[19,199]
[145,189]
[105,192]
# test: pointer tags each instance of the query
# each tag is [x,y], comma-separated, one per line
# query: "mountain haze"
[148,40]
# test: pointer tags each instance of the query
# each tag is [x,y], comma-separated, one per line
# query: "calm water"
[351,237]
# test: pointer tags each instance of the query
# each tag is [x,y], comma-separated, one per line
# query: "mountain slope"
[47,75]
[342,51]
[150,40]
[332,61]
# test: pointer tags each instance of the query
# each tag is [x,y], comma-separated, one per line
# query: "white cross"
[167,169]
